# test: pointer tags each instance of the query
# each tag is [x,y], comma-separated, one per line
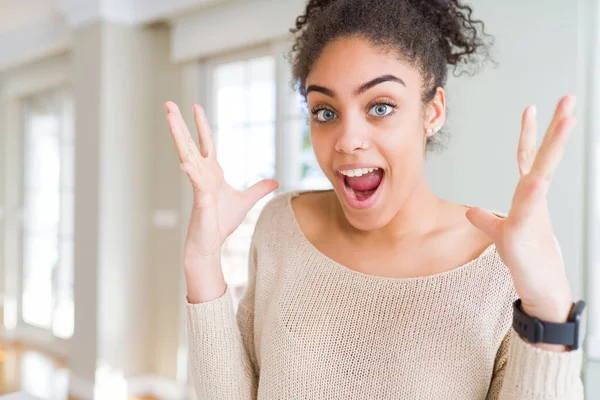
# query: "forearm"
[220,366]
[204,280]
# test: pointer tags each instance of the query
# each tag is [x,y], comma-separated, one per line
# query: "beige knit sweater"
[310,328]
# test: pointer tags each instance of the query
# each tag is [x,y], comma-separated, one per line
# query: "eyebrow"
[363,88]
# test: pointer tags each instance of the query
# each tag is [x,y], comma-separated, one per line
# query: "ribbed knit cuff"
[218,315]
[539,373]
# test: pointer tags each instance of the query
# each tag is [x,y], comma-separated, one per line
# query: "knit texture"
[311,328]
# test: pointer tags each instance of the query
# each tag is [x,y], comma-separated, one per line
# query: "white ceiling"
[30,29]
[20,13]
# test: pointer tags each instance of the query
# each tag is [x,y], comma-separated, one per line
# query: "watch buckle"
[538,331]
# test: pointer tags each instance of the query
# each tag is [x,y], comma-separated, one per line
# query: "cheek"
[323,147]
[399,137]
[402,147]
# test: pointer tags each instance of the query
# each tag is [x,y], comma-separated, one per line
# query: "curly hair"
[430,35]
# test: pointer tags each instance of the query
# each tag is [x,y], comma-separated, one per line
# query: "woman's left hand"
[525,240]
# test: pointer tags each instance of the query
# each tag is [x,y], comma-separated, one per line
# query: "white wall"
[545,50]
[540,51]
[167,296]
[127,277]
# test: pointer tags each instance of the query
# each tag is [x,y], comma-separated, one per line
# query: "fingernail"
[534,110]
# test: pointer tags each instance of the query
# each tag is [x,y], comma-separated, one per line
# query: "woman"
[378,289]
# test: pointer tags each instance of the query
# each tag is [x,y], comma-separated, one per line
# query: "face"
[369,128]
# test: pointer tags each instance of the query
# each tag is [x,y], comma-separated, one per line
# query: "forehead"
[346,63]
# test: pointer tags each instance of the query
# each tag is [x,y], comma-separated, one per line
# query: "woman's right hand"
[218,209]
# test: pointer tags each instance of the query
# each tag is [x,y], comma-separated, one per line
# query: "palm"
[218,209]
[524,238]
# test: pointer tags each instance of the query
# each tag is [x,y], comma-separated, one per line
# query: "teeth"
[358,172]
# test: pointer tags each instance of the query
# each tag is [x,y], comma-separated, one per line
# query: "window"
[244,129]
[48,202]
[261,132]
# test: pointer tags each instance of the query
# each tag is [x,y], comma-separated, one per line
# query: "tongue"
[366,182]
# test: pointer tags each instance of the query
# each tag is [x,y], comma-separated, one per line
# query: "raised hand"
[525,239]
[218,209]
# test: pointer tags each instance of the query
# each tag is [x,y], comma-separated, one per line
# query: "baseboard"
[8,336]
[81,388]
[161,388]
[36,339]
[156,386]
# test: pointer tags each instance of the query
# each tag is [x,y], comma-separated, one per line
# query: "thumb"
[485,221]
[259,190]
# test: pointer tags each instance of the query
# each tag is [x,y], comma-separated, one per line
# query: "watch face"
[579,317]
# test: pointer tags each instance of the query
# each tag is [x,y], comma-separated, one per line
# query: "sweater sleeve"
[221,352]
[523,371]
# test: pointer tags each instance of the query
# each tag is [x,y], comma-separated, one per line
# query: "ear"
[435,113]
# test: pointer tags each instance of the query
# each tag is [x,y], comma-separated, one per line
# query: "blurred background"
[94,207]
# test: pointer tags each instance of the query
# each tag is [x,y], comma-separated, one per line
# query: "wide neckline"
[311,248]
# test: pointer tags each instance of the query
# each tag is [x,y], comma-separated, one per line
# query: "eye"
[381,110]
[324,115]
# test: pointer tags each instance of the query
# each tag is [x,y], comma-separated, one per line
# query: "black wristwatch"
[570,333]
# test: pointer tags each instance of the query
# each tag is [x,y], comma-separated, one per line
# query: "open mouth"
[361,185]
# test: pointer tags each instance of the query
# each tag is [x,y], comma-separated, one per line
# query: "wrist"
[204,285]
[204,279]
[195,262]
[553,310]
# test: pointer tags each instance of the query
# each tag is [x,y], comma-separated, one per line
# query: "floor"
[28,370]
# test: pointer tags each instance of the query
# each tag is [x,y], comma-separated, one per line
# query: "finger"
[485,221]
[552,150]
[564,108]
[186,148]
[258,191]
[205,137]
[529,197]
[527,142]
[193,174]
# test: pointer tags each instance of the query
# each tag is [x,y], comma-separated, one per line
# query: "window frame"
[64,92]
[284,173]
[19,83]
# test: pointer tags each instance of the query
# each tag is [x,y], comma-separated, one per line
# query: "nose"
[352,137]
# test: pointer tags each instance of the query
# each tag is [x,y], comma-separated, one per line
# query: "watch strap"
[538,331]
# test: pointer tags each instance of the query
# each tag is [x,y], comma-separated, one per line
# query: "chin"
[366,224]
[365,215]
